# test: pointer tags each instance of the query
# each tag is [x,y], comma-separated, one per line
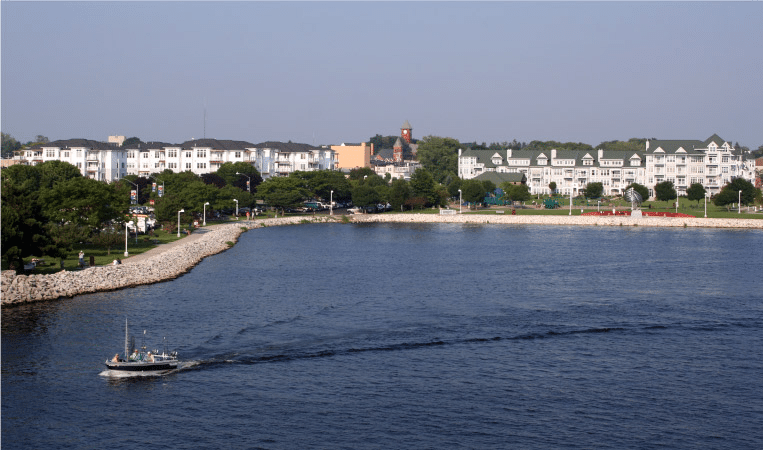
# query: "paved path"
[161,248]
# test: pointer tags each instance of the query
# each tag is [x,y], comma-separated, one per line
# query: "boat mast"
[127,350]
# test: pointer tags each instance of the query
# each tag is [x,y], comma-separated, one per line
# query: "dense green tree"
[64,237]
[132,141]
[10,145]
[52,172]
[228,171]
[695,192]
[640,188]
[549,145]
[454,186]
[109,237]
[365,195]
[423,185]
[400,191]
[488,186]
[730,193]
[516,192]
[594,190]
[83,201]
[664,191]
[439,156]
[213,179]
[552,187]
[473,191]
[631,145]
[283,192]
[23,223]
[361,173]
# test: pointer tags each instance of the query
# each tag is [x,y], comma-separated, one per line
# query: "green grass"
[101,254]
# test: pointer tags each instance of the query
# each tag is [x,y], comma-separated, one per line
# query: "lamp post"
[460,202]
[706,196]
[236,208]
[598,205]
[137,192]
[205,213]
[158,181]
[739,203]
[127,233]
[248,182]
[572,189]
[331,203]
[181,211]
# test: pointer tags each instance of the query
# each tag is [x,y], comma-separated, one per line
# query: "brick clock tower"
[405,132]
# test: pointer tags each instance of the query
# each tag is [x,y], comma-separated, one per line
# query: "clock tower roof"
[406,126]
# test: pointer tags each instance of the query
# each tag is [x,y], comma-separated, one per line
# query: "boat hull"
[142,366]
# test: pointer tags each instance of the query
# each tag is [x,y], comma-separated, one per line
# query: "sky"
[325,73]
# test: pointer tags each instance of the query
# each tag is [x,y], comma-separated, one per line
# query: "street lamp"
[248,182]
[158,181]
[236,208]
[460,202]
[706,196]
[205,213]
[739,203]
[331,203]
[181,211]
[137,191]
[572,189]
[127,233]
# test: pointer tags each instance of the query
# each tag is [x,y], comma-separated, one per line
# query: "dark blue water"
[412,336]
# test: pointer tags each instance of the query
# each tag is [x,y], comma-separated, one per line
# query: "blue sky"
[333,72]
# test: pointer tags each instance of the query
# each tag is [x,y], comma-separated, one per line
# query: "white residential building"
[109,162]
[712,163]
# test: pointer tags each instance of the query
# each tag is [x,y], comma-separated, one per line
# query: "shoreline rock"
[176,261]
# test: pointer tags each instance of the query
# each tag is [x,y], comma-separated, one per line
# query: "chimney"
[553,153]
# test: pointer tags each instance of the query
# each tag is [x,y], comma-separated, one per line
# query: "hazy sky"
[327,73]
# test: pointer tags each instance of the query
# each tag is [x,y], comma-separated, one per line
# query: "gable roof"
[498,178]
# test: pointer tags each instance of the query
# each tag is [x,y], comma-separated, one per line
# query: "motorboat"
[141,360]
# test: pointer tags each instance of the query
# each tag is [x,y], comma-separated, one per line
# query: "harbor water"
[411,336]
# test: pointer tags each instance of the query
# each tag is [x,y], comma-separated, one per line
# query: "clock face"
[405,131]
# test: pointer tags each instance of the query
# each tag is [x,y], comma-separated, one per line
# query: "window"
[79,153]
[187,165]
[188,155]
[144,155]
[66,154]
[238,155]
[201,153]
[50,153]
[131,154]
[79,165]
[172,153]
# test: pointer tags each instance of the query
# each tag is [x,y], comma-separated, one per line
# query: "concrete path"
[161,248]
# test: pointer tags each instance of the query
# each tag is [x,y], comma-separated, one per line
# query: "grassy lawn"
[101,254]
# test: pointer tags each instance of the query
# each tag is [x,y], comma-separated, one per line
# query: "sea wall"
[178,258]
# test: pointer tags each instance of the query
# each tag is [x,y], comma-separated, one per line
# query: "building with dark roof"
[712,163]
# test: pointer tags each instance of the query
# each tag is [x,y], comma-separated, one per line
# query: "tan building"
[352,156]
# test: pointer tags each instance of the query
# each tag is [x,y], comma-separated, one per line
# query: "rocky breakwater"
[164,266]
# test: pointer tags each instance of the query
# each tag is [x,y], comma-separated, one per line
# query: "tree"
[109,237]
[282,192]
[52,172]
[454,186]
[516,192]
[730,193]
[364,195]
[10,145]
[552,187]
[132,141]
[594,190]
[473,191]
[228,173]
[664,191]
[83,201]
[695,192]
[640,188]
[23,223]
[360,173]
[400,191]
[439,156]
[423,185]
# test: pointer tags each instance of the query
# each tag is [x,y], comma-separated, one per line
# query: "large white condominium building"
[711,163]
[110,162]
